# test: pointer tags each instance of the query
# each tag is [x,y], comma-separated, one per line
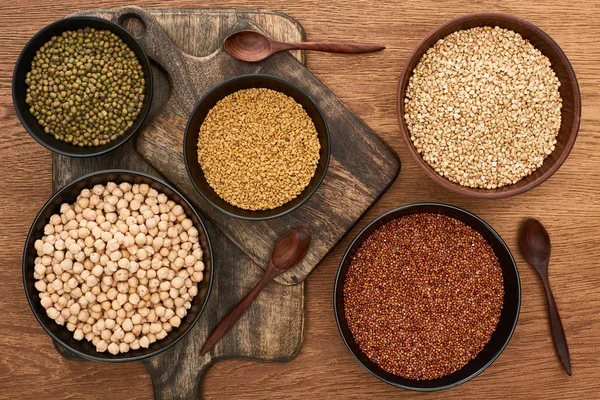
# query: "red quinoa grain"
[423,295]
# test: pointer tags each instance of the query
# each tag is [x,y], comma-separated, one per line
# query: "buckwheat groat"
[483,107]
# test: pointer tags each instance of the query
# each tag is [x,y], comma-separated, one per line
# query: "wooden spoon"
[289,250]
[254,46]
[535,246]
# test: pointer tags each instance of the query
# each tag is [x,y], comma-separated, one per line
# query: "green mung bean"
[85,87]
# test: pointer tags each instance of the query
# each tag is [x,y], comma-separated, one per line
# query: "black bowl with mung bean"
[82,86]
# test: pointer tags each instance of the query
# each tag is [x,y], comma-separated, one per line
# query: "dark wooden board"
[361,169]
[272,329]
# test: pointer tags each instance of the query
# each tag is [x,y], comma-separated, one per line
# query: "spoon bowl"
[248,46]
[290,249]
[535,243]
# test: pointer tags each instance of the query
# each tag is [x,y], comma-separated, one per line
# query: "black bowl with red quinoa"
[427,296]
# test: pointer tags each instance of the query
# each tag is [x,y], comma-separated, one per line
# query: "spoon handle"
[236,312]
[345,48]
[558,332]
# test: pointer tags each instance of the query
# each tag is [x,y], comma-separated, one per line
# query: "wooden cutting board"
[361,168]
[271,330]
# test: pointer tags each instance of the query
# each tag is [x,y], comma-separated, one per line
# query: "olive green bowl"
[23,66]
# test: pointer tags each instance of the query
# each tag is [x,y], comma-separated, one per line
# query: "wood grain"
[568,204]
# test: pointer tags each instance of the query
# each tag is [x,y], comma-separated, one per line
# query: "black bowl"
[210,99]
[508,317]
[68,194]
[23,66]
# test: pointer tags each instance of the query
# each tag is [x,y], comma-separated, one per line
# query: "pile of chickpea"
[119,267]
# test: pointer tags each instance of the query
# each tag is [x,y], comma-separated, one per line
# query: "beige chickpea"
[92,280]
[76,293]
[127,325]
[113,348]
[190,260]
[46,260]
[78,334]
[115,306]
[97,271]
[122,298]
[46,302]
[134,298]
[162,273]
[175,321]
[177,282]
[40,286]
[133,282]
[163,225]
[137,319]
[57,284]
[197,276]
[165,286]
[47,248]
[129,337]
[187,224]
[105,235]
[116,256]
[142,254]
[155,327]
[140,239]
[172,232]
[72,225]
[144,342]
[181,312]
[69,214]
[99,245]
[164,296]
[101,346]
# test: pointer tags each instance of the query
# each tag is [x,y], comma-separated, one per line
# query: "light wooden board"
[568,203]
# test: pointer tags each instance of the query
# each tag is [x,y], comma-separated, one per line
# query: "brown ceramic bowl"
[569,91]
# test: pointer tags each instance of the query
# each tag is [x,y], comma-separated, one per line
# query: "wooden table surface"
[568,204]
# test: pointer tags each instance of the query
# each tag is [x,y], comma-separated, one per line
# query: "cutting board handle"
[161,49]
[155,41]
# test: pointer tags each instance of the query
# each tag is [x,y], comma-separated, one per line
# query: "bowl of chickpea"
[117,266]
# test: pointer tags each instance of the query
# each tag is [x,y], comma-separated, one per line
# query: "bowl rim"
[135,129]
[268,77]
[28,243]
[508,190]
[354,243]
